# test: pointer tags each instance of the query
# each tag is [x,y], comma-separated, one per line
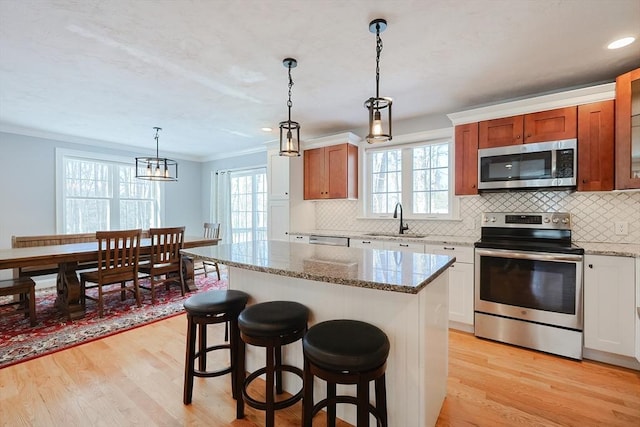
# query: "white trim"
[36,133]
[413,138]
[603,92]
[230,154]
[340,138]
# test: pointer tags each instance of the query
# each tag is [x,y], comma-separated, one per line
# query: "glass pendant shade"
[289,138]
[156,168]
[379,119]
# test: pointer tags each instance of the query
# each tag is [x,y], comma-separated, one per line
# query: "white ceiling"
[210,73]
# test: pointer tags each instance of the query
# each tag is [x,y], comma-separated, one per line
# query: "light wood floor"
[135,378]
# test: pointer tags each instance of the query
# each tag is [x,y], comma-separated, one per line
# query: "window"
[249,205]
[103,194]
[418,176]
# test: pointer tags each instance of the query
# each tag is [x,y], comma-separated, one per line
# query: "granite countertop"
[409,237]
[590,248]
[405,272]
[617,249]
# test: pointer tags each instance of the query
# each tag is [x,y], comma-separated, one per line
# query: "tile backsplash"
[593,214]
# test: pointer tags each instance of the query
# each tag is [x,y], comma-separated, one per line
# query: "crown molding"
[603,92]
[339,138]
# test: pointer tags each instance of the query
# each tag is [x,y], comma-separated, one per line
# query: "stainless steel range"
[528,282]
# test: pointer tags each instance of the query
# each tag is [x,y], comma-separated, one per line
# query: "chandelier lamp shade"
[289,130]
[156,168]
[379,107]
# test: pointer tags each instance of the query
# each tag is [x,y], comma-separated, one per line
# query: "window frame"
[63,153]
[406,145]
[252,172]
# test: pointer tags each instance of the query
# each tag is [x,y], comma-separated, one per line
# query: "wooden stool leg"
[331,406]
[363,404]
[269,388]
[278,372]
[189,361]
[307,400]
[202,345]
[381,399]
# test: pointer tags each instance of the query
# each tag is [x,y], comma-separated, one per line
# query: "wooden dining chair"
[165,264]
[118,256]
[211,231]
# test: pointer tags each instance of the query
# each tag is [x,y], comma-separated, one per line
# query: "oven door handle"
[538,256]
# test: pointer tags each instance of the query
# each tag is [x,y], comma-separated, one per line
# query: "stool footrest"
[258,404]
[344,399]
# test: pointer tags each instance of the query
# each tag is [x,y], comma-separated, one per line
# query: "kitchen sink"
[408,235]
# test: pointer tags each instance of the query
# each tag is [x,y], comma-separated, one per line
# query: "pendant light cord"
[289,103]
[378,51]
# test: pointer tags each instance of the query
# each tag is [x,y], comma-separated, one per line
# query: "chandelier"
[156,168]
[379,127]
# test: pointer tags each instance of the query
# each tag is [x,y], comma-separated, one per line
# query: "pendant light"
[379,108]
[156,168]
[289,130]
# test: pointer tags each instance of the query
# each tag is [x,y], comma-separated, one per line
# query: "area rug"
[20,342]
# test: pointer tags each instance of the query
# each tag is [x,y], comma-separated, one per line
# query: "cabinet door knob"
[584,181]
[590,265]
[517,136]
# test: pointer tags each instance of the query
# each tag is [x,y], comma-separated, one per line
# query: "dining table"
[69,256]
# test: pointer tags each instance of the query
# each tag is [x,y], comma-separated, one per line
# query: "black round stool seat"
[346,352]
[272,325]
[346,345]
[274,318]
[206,308]
[212,302]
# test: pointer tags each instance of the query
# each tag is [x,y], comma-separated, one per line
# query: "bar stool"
[271,325]
[345,352]
[204,309]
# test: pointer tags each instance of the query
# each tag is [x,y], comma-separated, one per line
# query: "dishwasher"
[328,240]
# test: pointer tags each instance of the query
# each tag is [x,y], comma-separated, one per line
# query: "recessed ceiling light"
[621,43]
[265,129]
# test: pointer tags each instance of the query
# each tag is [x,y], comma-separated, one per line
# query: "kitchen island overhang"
[403,293]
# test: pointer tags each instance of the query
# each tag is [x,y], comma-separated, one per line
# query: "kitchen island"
[405,294]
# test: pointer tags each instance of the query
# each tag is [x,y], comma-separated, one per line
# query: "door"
[314,169]
[595,146]
[552,125]
[466,159]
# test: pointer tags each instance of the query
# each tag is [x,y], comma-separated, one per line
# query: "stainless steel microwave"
[539,165]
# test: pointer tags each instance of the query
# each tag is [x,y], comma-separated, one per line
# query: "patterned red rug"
[20,342]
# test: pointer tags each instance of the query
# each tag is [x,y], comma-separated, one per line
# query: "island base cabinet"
[416,324]
[609,304]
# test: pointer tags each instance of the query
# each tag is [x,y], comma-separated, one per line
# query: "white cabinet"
[298,238]
[366,243]
[278,168]
[287,211]
[609,304]
[461,280]
[278,220]
[394,245]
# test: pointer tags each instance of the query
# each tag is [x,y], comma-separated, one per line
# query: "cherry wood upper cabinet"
[500,132]
[550,125]
[595,146]
[628,130]
[466,159]
[331,172]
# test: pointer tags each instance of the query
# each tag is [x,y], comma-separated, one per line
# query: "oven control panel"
[551,220]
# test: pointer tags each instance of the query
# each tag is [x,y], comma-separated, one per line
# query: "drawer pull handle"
[448,248]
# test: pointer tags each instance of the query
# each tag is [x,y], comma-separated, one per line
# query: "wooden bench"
[24,289]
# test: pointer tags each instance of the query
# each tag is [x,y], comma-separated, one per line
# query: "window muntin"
[418,176]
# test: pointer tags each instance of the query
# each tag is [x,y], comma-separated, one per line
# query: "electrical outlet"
[622,228]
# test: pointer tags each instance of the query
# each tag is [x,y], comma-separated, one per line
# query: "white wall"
[27,187]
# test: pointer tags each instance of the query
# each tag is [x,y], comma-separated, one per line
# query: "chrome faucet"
[403,227]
